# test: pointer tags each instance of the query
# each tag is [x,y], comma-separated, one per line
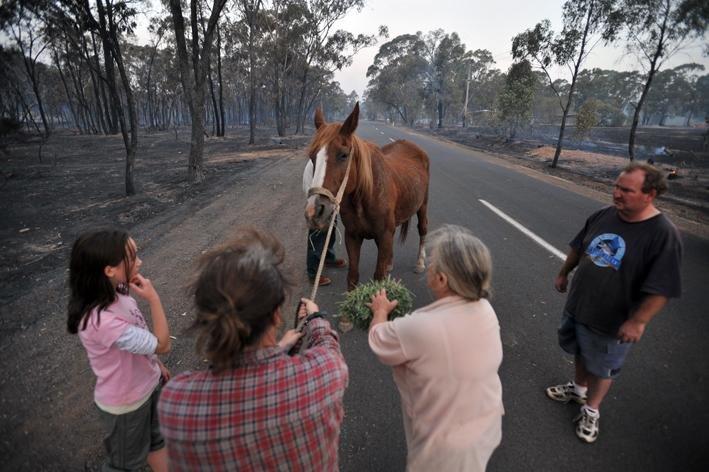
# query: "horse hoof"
[419,269]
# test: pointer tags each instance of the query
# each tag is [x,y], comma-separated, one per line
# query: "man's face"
[628,197]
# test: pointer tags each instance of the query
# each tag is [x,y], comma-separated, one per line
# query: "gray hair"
[464,259]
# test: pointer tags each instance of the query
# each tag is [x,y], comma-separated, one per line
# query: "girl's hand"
[143,288]
[164,372]
[381,305]
[307,307]
[289,339]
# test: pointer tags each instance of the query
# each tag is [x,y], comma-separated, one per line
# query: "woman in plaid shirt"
[256,407]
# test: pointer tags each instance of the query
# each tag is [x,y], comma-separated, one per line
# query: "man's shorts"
[130,437]
[602,355]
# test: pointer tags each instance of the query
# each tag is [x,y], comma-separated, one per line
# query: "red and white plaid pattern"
[272,412]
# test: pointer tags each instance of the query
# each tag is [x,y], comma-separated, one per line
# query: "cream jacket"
[445,358]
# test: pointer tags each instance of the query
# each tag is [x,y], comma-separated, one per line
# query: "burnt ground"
[47,421]
[596,161]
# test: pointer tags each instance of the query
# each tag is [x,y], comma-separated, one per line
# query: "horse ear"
[350,124]
[319,118]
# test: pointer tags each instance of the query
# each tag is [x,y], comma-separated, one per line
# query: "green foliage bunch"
[355,305]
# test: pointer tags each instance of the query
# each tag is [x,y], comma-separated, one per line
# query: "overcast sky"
[488,24]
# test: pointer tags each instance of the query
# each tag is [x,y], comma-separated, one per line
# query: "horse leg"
[385,254]
[353,244]
[422,217]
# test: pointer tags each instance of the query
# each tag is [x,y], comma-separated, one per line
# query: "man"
[316,242]
[628,257]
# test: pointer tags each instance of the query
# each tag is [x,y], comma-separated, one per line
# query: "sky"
[488,24]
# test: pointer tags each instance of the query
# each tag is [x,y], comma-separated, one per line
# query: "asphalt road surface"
[657,412]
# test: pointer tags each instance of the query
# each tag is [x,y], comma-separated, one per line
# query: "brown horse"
[386,186]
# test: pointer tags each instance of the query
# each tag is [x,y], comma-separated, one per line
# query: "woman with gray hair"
[445,358]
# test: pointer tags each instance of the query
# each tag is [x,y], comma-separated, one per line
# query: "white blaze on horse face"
[320,168]
[307,176]
[318,178]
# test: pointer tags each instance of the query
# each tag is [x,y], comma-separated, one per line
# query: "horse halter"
[322,191]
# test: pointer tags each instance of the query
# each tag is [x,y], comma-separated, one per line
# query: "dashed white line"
[392,139]
[524,230]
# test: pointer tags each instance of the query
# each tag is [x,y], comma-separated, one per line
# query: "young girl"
[120,347]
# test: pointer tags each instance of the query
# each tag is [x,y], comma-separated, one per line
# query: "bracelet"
[304,322]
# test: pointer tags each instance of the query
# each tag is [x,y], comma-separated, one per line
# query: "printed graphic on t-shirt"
[607,250]
[138,319]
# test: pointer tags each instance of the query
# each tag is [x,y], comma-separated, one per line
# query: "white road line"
[524,230]
[392,139]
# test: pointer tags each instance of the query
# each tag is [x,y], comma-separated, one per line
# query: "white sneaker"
[587,427]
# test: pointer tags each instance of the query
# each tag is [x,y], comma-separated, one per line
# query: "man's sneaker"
[587,427]
[564,393]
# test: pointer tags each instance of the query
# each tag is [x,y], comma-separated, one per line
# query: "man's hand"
[561,282]
[631,331]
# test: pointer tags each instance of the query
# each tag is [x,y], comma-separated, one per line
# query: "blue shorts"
[602,355]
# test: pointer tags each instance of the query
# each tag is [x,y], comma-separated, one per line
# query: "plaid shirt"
[271,412]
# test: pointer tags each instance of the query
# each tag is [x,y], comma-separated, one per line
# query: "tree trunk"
[577,66]
[99,118]
[110,36]
[193,80]
[252,86]
[66,91]
[222,121]
[650,75]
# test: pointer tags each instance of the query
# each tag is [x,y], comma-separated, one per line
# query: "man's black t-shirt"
[620,262]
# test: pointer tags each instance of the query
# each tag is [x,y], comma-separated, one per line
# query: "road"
[656,414]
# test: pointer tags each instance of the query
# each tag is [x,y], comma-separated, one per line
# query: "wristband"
[304,322]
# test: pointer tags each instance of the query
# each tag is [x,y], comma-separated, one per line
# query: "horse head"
[333,146]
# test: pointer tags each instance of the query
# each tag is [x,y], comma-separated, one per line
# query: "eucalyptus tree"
[284,27]
[19,19]
[324,47]
[479,65]
[193,73]
[656,30]
[15,98]
[398,75]
[516,98]
[614,91]
[586,22]
[448,64]
[671,92]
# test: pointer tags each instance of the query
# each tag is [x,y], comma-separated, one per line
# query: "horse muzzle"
[318,212]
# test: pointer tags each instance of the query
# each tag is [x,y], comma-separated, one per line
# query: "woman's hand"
[307,307]
[381,306]
[289,339]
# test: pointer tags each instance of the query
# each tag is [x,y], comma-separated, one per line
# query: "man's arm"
[562,279]
[632,330]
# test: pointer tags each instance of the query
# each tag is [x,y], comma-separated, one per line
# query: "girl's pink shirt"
[122,377]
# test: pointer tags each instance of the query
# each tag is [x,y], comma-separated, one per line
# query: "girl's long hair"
[89,287]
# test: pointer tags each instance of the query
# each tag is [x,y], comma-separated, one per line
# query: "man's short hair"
[654,178]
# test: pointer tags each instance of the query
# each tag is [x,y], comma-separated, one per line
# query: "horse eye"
[342,156]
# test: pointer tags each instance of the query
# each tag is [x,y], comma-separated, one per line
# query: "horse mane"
[361,152]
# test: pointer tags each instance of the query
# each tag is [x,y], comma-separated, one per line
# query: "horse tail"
[404,231]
